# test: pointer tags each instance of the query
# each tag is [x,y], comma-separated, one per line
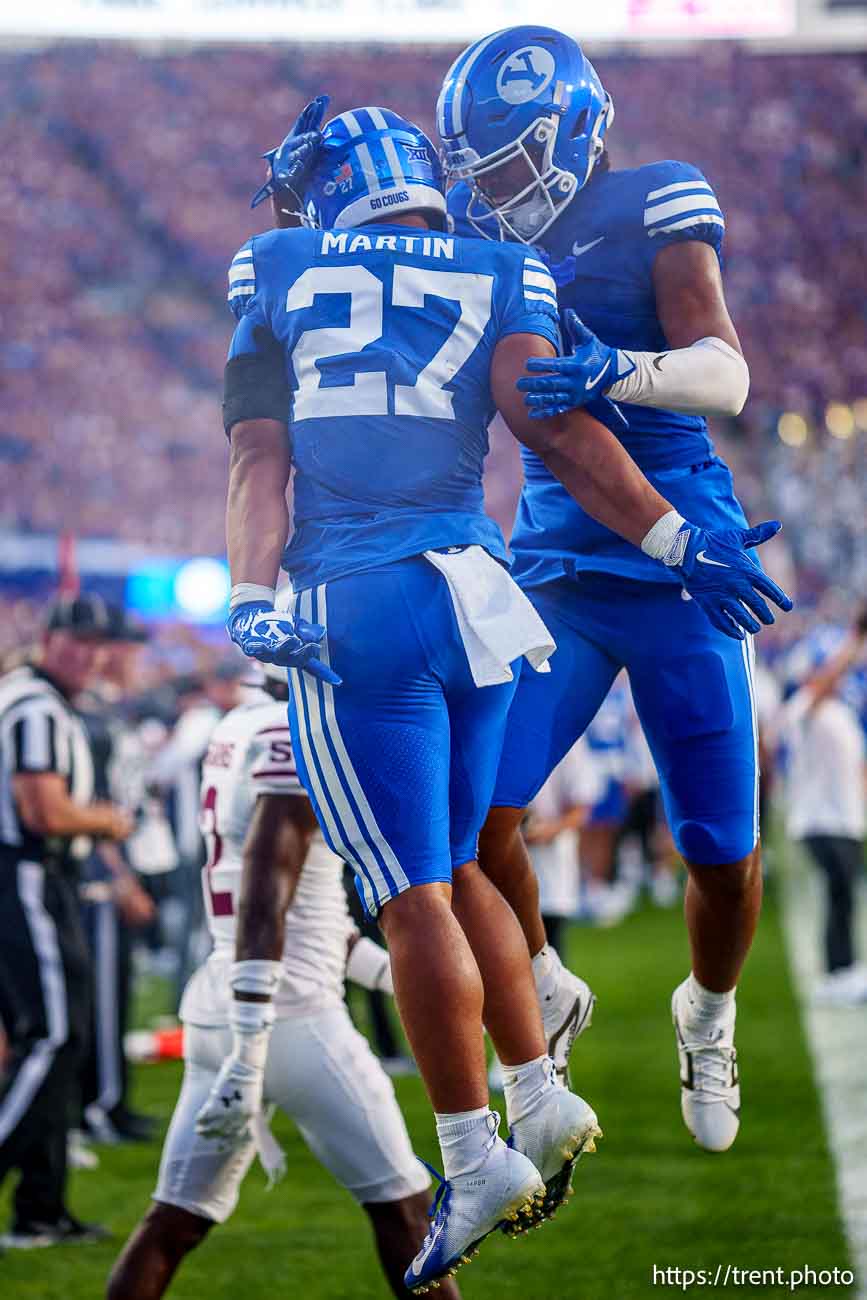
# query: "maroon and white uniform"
[320,1069]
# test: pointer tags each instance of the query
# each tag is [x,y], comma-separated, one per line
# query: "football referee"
[47,819]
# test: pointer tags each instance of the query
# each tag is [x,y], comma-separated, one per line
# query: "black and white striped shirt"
[39,732]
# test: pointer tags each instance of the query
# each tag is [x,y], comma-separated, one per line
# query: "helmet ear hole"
[580,123]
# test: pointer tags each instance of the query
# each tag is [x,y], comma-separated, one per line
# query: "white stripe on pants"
[43,935]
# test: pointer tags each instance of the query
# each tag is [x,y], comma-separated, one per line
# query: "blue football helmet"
[372,163]
[522,116]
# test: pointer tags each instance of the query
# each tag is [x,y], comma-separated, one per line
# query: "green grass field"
[650,1196]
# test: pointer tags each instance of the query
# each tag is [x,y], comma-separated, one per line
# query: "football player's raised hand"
[723,578]
[272,637]
[291,163]
[588,370]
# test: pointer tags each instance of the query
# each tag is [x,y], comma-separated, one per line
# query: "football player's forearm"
[45,808]
[275,848]
[707,378]
[257,518]
[268,882]
[266,894]
[601,476]
[824,682]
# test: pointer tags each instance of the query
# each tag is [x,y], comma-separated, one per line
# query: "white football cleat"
[566,1012]
[842,988]
[554,1135]
[505,1189]
[710,1096]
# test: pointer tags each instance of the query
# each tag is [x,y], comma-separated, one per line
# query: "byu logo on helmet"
[527,163]
[525,74]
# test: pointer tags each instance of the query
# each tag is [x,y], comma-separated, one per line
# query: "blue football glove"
[290,165]
[560,384]
[264,633]
[723,578]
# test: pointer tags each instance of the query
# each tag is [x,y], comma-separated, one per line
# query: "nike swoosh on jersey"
[419,1261]
[595,380]
[578,249]
[657,361]
[704,558]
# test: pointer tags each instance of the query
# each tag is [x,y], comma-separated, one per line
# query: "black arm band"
[255,388]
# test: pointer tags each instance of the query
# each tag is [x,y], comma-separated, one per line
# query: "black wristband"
[255,385]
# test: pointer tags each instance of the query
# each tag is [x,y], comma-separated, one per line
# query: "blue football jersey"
[388,334]
[601,252]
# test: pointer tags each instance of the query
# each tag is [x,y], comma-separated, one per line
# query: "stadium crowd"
[114,322]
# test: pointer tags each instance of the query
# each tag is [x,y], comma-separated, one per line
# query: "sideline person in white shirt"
[555,818]
[825,794]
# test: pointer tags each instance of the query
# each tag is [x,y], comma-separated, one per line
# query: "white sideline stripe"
[540,266]
[677,188]
[838,1046]
[37,1063]
[691,203]
[240,291]
[377,117]
[541,295]
[387,853]
[704,220]
[338,841]
[245,271]
[245,255]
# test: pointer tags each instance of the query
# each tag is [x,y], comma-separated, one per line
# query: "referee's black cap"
[85,615]
[88,615]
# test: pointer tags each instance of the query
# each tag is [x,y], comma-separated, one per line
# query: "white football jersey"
[250,754]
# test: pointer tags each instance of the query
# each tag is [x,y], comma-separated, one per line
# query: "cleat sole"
[525,1205]
[559,1188]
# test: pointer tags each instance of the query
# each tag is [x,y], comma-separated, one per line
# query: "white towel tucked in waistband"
[496,620]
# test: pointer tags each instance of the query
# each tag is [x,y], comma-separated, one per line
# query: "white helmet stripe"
[393,160]
[377,117]
[351,122]
[460,76]
[364,157]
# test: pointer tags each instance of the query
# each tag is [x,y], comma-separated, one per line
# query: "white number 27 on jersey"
[368,392]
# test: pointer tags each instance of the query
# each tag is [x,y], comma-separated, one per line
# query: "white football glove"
[235,1098]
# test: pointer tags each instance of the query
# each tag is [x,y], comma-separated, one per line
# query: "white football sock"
[546,971]
[464,1139]
[704,1004]
[525,1085]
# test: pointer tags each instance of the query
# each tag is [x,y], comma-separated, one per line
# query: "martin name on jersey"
[250,754]
[600,252]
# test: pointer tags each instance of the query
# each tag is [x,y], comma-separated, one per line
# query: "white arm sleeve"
[707,378]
